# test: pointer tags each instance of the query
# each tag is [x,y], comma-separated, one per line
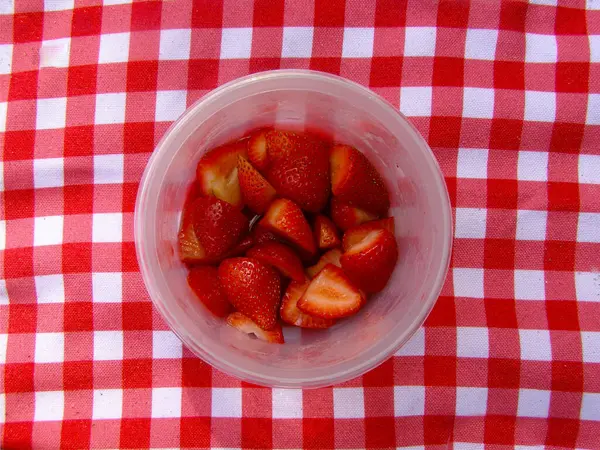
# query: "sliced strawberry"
[369,257]
[261,235]
[190,249]
[290,313]
[279,256]
[241,247]
[354,180]
[356,234]
[257,193]
[331,295]
[326,234]
[218,225]
[347,216]
[217,172]
[331,257]
[386,223]
[204,281]
[303,176]
[253,288]
[285,219]
[244,324]
[257,150]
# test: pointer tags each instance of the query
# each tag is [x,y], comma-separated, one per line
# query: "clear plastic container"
[351,114]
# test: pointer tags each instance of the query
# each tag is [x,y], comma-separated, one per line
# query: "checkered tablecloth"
[507,95]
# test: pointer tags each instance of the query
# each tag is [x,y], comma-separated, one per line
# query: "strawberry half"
[244,324]
[257,150]
[290,313]
[326,235]
[347,216]
[218,225]
[280,257]
[257,193]
[204,281]
[387,223]
[217,172]
[369,257]
[331,257]
[303,176]
[253,288]
[331,295]
[262,235]
[354,180]
[285,219]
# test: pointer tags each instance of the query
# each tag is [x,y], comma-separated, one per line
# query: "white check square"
[409,401]
[470,223]
[3,115]
[471,401]
[166,402]
[48,230]
[587,286]
[58,5]
[108,169]
[107,404]
[478,103]
[588,227]
[532,166]
[535,345]
[108,345]
[593,110]
[590,406]
[530,285]
[594,40]
[226,402]
[107,227]
[6,51]
[348,403]
[169,105]
[287,403]
[4,300]
[533,403]
[107,287]
[49,406]
[55,53]
[540,106]
[165,345]
[297,42]
[416,101]
[590,343]
[472,163]
[468,282]
[236,43]
[589,168]
[114,48]
[51,113]
[419,41]
[48,172]
[358,42]
[50,288]
[531,225]
[3,347]
[540,48]
[481,44]
[175,44]
[472,342]
[110,108]
[49,347]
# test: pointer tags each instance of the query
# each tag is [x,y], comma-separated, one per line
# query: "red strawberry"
[326,234]
[204,281]
[358,233]
[217,172]
[218,225]
[252,288]
[386,224]
[285,219]
[261,235]
[347,216]
[241,247]
[279,256]
[243,323]
[331,295]
[303,177]
[190,249]
[354,180]
[257,150]
[369,257]
[331,257]
[290,313]
[256,191]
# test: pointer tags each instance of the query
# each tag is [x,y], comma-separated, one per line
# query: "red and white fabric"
[506,93]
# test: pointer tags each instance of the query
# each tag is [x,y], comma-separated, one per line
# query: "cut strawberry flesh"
[257,192]
[244,324]
[280,257]
[331,257]
[257,150]
[347,216]
[331,295]
[204,281]
[326,234]
[290,313]
[285,219]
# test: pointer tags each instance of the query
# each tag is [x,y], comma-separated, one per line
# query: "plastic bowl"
[351,114]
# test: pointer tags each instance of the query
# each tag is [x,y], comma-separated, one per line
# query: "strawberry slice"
[244,324]
[290,313]
[218,225]
[204,281]
[257,150]
[326,234]
[303,176]
[356,234]
[262,235]
[253,288]
[285,219]
[347,216]
[386,223]
[257,193]
[354,180]
[369,257]
[331,295]
[331,257]
[217,172]
[280,257]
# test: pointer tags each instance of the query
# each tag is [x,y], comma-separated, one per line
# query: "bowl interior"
[419,204]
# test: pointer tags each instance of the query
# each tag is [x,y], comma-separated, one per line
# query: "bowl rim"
[265,379]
